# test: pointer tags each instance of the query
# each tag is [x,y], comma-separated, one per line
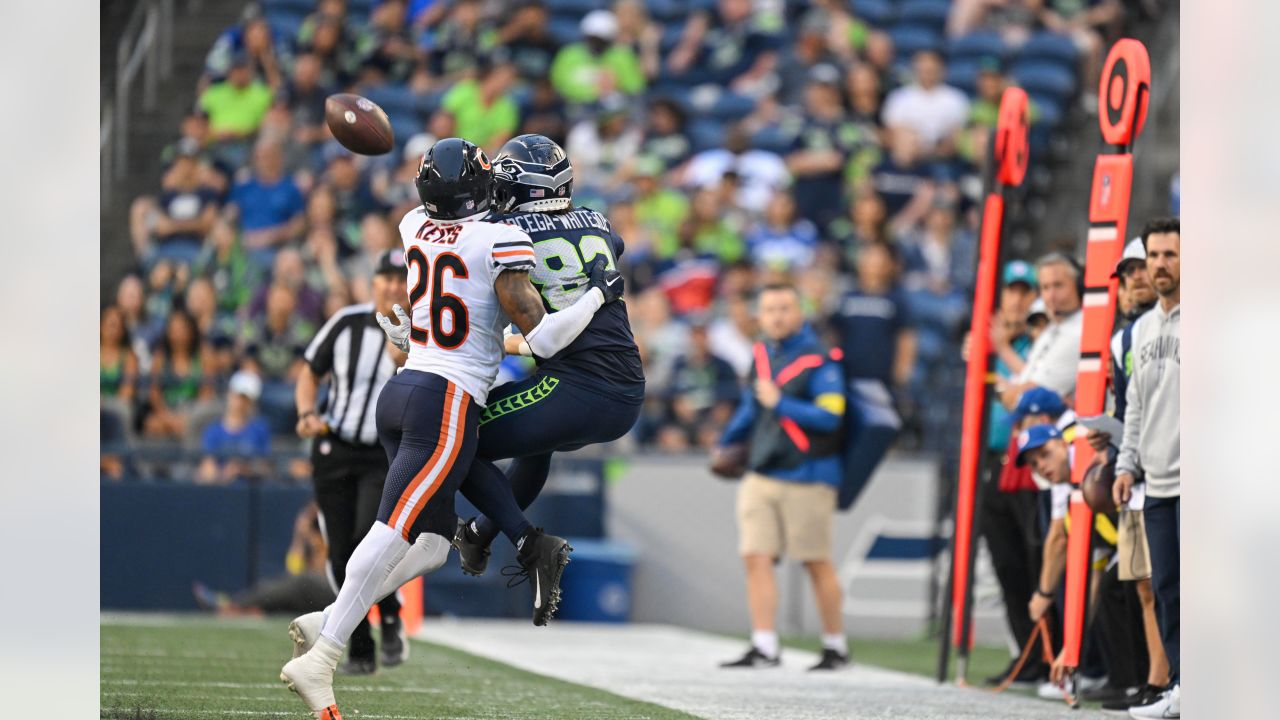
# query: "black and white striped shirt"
[352,349]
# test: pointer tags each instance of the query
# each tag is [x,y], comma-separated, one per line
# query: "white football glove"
[397,334]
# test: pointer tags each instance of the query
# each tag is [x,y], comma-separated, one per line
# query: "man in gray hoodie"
[1152,445]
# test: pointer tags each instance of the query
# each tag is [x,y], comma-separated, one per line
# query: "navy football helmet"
[532,174]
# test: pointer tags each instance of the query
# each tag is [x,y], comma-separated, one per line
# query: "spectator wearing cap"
[173,225]
[1037,319]
[238,444]
[348,462]
[237,105]
[931,108]
[482,108]
[526,36]
[268,205]
[1054,357]
[701,395]
[729,45]
[1151,444]
[598,65]
[828,147]
[1009,517]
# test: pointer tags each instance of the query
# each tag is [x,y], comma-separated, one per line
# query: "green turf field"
[165,668]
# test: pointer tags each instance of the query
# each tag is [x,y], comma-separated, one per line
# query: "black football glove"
[609,281]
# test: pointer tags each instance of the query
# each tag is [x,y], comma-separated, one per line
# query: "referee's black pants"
[1009,525]
[348,483]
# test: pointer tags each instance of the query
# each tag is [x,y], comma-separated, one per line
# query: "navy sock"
[527,476]
[490,491]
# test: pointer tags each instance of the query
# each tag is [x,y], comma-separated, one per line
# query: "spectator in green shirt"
[659,210]
[597,66]
[483,110]
[237,105]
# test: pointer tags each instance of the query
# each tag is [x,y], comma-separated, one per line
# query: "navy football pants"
[528,420]
[427,425]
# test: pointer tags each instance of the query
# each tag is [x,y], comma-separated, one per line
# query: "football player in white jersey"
[468,279]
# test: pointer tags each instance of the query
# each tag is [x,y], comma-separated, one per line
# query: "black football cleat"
[831,660]
[395,644]
[753,659]
[358,666]
[473,554]
[541,559]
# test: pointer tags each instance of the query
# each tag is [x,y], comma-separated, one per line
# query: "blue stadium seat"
[398,100]
[931,13]
[670,37]
[286,20]
[1050,46]
[1048,110]
[668,11]
[880,13]
[773,139]
[963,73]
[705,134]
[977,45]
[304,6]
[580,7]
[1044,78]
[910,39]
[564,29]
[726,106]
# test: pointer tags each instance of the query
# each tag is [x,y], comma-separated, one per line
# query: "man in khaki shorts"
[790,416]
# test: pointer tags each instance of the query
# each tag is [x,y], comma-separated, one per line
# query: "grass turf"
[167,668]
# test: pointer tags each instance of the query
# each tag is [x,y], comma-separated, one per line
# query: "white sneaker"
[305,630]
[311,677]
[1168,705]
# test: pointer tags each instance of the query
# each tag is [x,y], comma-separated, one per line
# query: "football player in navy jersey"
[589,392]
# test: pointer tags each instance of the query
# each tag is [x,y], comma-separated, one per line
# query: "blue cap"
[1020,271]
[1034,437]
[1037,401]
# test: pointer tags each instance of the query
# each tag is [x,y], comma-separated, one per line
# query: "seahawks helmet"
[455,180]
[532,174]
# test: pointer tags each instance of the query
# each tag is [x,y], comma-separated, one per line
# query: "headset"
[1058,256]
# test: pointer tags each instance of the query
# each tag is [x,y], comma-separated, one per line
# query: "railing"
[146,48]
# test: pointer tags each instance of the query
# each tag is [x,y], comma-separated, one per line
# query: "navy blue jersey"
[868,326]
[565,243]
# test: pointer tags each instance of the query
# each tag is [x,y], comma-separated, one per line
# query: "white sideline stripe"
[676,668]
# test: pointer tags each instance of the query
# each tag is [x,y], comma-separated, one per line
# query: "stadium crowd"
[835,146]
[732,143]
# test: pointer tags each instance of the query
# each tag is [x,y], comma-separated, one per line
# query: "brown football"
[730,461]
[359,124]
[1096,487]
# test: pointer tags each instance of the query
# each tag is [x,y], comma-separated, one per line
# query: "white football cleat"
[1168,705]
[305,630]
[311,676]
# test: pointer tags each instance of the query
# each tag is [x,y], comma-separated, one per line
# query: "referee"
[348,462]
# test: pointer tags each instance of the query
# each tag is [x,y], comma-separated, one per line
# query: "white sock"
[837,642]
[426,554]
[373,560]
[766,641]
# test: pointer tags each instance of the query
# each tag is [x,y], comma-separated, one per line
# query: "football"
[359,124]
[730,461]
[1097,488]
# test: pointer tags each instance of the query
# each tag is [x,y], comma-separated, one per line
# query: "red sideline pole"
[1010,158]
[1124,93]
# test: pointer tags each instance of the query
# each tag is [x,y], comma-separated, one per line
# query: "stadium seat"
[720,106]
[879,13]
[930,13]
[705,134]
[285,20]
[303,6]
[1044,78]
[963,74]
[1048,110]
[977,45]
[910,39]
[668,11]
[580,7]
[1050,46]
[564,29]
[773,139]
[670,37]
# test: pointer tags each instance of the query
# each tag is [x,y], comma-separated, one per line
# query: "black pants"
[1119,630]
[1163,517]
[348,484]
[1010,527]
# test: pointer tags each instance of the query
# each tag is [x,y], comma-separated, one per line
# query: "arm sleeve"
[1129,460]
[824,411]
[740,424]
[558,329]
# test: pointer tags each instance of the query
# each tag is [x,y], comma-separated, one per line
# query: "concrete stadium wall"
[681,520]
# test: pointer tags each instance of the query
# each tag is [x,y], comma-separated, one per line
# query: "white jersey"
[457,323]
